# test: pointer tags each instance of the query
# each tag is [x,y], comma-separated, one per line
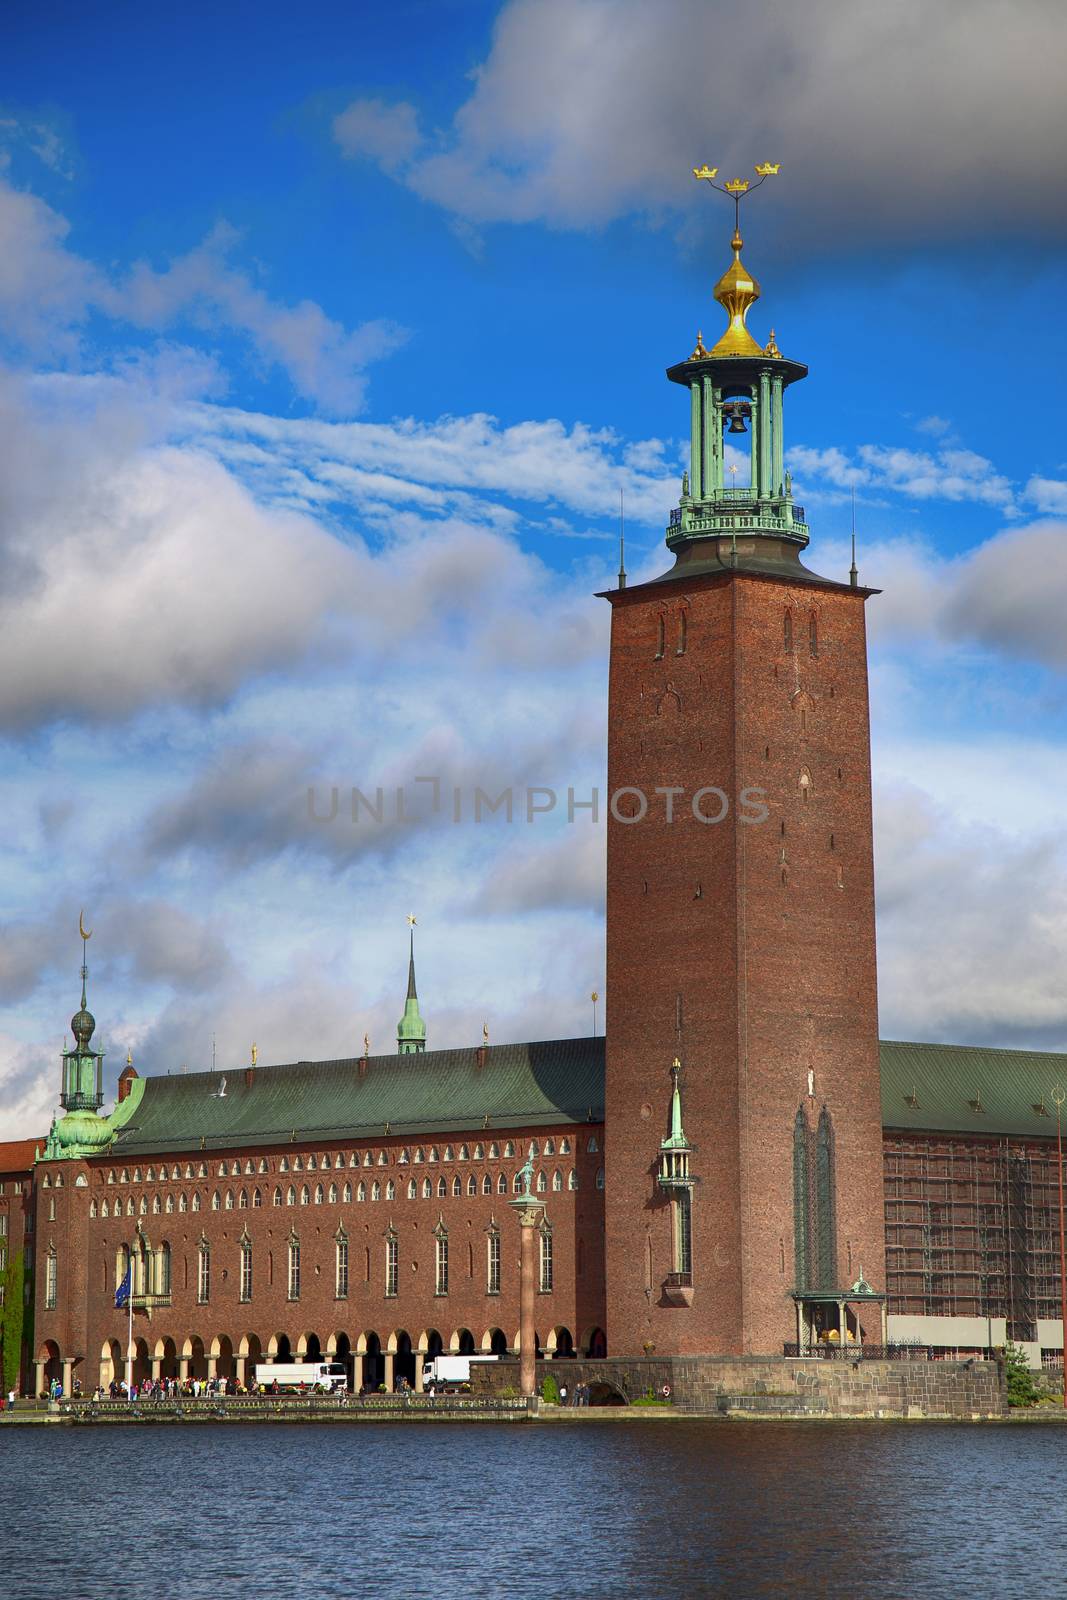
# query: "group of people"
[579,1396]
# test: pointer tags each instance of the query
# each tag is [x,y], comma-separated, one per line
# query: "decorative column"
[357,1372]
[777,442]
[38,1367]
[713,424]
[389,1358]
[696,486]
[157,1368]
[707,440]
[239,1369]
[68,1366]
[755,424]
[530,1211]
[420,1356]
[765,481]
[184,1365]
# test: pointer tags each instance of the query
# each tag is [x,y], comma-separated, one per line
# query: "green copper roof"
[958,1088]
[435,1091]
[411,1029]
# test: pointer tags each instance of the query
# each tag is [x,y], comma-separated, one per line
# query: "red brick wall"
[767,978]
[85,1316]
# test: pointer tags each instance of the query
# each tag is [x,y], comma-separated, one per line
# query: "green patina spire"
[676,1139]
[81,1131]
[411,1030]
[675,1149]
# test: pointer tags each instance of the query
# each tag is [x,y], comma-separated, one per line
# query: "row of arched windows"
[312,1162]
[681,636]
[813,633]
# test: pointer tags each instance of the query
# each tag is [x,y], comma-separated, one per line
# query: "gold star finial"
[485,1033]
[366,1044]
[699,353]
[771,348]
[255,1053]
[81,927]
[412,921]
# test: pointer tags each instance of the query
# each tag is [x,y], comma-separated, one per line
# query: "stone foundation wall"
[778,1386]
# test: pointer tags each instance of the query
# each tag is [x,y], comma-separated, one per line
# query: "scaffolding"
[972,1229]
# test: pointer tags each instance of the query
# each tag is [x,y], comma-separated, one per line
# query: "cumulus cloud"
[951,473]
[585,110]
[48,293]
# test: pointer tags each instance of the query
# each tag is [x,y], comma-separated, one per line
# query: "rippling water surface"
[598,1510]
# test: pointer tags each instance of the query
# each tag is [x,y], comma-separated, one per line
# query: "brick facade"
[747,949]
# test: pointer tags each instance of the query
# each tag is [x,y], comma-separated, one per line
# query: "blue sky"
[326,346]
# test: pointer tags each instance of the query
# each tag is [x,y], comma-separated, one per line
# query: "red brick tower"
[740,930]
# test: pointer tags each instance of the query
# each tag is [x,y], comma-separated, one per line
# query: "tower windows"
[341,1266]
[683,632]
[294,1267]
[787,631]
[813,635]
[246,1269]
[492,1279]
[661,632]
[427,1189]
[441,1259]
[392,1266]
[804,784]
[682,1218]
[545,1259]
[203,1273]
[51,1273]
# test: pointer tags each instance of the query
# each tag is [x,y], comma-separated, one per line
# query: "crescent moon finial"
[81,926]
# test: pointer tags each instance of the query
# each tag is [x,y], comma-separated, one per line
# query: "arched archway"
[560,1344]
[49,1366]
[222,1357]
[594,1344]
[494,1342]
[403,1358]
[517,1346]
[165,1359]
[249,1359]
[110,1363]
[370,1367]
[308,1347]
[193,1358]
[339,1348]
[142,1362]
[278,1348]
[462,1342]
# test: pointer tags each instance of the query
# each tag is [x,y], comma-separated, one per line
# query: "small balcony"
[678,1289]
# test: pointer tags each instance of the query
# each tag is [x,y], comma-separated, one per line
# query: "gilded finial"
[771,348]
[699,354]
[366,1044]
[737,290]
[485,1033]
[81,927]
[737,186]
[412,921]
[255,1053]
[129,1057]
[768,169]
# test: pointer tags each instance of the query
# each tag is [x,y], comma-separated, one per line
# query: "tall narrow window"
[661,633]
[294,1267]
[787,632]
[441,1260]
[50,1281]
[492,1280]
[203,1273]
[246,1268]
[683,632]
[341,1267]
[545,1260]
[392,1268]
[163,1271]
[813,635]
[683,1232]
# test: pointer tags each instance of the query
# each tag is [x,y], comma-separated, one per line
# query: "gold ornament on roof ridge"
[771,348]
[700,354]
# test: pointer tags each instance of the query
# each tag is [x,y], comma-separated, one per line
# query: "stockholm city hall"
[738,1167]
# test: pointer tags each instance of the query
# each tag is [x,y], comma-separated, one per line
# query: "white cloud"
[47,293]
[951,473]
[585,110]
[1047,494]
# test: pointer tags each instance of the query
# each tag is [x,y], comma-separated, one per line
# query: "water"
[491,1511]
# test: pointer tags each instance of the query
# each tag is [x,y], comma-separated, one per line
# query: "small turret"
[411,1030]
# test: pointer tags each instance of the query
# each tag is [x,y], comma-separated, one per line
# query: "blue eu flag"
[122,1293]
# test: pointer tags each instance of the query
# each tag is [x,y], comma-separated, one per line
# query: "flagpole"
[129,1337]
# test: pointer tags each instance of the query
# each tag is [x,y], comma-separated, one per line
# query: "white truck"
[448,1372]
[322,1376]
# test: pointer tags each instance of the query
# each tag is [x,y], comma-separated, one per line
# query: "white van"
[324,1376]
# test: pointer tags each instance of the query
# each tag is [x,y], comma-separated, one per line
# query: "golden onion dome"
[736,291]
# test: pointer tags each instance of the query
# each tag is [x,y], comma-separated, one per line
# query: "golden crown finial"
[699,354]
[771,348]
[737,290]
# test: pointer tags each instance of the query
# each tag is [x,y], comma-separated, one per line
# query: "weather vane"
[737,188]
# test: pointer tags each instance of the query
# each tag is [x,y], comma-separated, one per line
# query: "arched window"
[419,1156]
[683,631]
[122,1263]
[243,1200]
[492,1275]
[341,1266]
[545,1259]
[661,632]
[229,1199]
[163,1270]
[320,1194]
[487,1183]
[403,1158]
[376,1190]
[592,1146]
[457,1187]
[441,1260]
[427,1189]
[333,1194]
[111,1176]
[305,1195]
[804,784]
[413,1189]
[298,1164]
[294,1267]
[564,1147]
[203,1273]
[143,1207]
[196,1199]
[509,1149]
[464,1152]
[347,1192]
[542,1183]
[157,1205]
[557,1182]
[433,1153]
[368,1159]
[392,1265]
[494,1151]
[257,1199]
[550,1147]
[169,1207]
[277,1197]
[442,1188]
[246,1268]
[183,1201]
[572,1180]
[150,1175]
[390,1190]
[216,1201]
[600,1177]
[479,1152]
[312,1163]
[383,1159]
[472,1184]
[787,631]
[516,1183]
[262,1164]
[92,1208]
[813,635]
[361,1191]
[290,1196]
[283,1164]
